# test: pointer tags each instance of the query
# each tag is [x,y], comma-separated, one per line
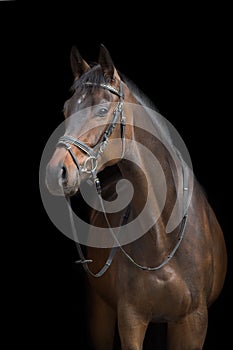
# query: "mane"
[156,118]
[138,94]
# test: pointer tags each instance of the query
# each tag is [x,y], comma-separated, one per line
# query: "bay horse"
[145,273]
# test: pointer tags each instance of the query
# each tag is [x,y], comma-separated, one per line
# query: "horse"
[170,265]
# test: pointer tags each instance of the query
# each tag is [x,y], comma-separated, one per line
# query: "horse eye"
[101,112]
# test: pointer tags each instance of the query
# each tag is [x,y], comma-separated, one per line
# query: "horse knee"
[132,329]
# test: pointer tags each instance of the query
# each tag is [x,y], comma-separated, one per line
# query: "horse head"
[95,124]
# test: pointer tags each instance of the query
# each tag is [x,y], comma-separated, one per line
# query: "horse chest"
[163,296]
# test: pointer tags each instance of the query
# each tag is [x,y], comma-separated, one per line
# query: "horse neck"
[135,171]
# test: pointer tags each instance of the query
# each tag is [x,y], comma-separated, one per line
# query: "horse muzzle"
[62,180]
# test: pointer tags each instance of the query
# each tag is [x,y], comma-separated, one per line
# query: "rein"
[90,167]
[85,261]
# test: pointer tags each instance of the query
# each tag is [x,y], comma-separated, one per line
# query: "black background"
[179,57]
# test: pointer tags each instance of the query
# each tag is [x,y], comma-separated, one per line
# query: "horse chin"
[69,191]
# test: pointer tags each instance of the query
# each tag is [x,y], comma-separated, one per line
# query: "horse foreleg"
[189,333]
[101,323]
[132,328]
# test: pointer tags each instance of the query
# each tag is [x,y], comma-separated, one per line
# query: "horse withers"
[140,272]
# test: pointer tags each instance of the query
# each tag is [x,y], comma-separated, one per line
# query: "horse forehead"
[88,98]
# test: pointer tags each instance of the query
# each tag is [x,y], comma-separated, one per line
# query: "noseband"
[91,162]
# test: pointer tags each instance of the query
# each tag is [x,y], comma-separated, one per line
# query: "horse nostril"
[64,174]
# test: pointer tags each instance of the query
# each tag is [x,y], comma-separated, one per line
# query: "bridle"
[91,162]
[93,154]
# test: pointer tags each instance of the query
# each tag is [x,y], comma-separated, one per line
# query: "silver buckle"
[93,165]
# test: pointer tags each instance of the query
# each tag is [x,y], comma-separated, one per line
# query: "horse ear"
[78,65]
[106,62]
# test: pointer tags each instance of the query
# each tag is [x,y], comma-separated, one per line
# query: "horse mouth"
[64,190]
[69,189]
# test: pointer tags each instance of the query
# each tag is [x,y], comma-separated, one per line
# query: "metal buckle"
[93,162]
